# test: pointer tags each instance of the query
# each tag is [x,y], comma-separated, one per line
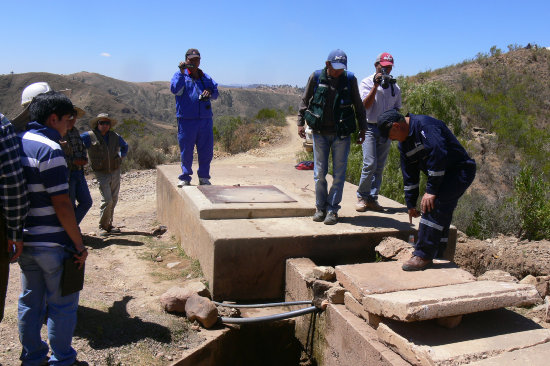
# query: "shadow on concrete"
[115,327]
[99,243]
[377,221]
[474,326]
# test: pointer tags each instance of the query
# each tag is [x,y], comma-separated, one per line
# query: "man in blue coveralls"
[427,145]
[194,90]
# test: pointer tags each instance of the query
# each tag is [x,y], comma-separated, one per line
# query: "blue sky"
[271,42]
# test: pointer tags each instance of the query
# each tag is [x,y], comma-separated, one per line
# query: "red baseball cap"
[385,59]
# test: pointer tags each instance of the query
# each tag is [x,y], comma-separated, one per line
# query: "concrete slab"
[244,202]
[450,300]
[538,355]
[479,336]
[382,277]
[244,259]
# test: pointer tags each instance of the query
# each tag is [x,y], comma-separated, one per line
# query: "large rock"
[175,298]
[325,273]
[498,276]
[201,309]
[390,247]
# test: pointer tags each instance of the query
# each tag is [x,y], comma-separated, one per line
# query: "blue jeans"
[322,145]
[193,132]
[79,193]
[41,270]
[375,153]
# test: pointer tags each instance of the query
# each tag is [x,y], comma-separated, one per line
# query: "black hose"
[269,318]
[306,302]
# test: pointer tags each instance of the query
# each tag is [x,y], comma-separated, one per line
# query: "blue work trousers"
[41,270]
[197,132]
[322,146]
[79,194]
[433,230]
[375,152]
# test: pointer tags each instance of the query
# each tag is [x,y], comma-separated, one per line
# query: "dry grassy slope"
[151,102]
[533,63]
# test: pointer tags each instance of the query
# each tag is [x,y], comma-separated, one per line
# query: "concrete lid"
[382,277]
[450,300]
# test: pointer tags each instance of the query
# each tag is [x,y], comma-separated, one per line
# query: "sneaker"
[331,219]
[374,206]
[319,215]
[182,183]
[361,205]
[102,232]
[204,182]
[114,230]
[416,264]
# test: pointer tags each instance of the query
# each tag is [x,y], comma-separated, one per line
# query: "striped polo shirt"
[46,173]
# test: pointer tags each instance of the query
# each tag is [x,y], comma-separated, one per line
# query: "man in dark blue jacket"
[193,90]
[427,145]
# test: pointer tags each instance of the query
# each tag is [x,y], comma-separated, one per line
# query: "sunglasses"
[104,123]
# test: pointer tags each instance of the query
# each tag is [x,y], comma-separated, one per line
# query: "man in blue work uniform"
[194,90]
[427,145]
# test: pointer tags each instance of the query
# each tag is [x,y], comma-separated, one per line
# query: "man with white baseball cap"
[379,93]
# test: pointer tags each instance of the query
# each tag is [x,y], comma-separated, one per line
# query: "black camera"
[386,79]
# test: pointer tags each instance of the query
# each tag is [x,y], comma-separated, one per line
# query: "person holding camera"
[194,91]
[379,93]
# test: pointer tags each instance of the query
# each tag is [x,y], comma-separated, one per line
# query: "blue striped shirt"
[47,175]
[13,191]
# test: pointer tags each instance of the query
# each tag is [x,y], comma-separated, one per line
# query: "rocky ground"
[120,321]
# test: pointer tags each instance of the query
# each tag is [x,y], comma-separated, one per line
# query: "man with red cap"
[379,93]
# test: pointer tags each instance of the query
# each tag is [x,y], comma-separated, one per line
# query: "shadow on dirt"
[116,328]
[99,243]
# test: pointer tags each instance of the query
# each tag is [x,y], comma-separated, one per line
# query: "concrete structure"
[243,252]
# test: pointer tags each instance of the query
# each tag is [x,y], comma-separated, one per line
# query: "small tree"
[532,195]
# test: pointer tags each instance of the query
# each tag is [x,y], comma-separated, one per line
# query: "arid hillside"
[150,102]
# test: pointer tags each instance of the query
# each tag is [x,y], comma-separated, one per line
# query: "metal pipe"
[306,302]
[261,319]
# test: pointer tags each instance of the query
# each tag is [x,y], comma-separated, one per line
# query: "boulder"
[324,273]
[202,310]
[498,276]
[529,280]
[320,289]
[391,247]
[175,298]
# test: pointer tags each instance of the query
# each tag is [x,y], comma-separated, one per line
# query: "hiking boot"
[374,206]
[361,205]
[182,183]
[204,182]
[416,264]
[331,219]
[319,215]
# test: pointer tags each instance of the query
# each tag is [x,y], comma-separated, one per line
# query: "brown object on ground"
[497,275]
[325,273]
[175,298]
[417,263]
[201,309]
[391,247]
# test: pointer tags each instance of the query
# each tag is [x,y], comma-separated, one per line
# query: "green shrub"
[532,197]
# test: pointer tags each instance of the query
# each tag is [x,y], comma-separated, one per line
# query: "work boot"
[416,263]
[361,205]
[204,182]
[182,183]
[319,215]
[331,219]
[374,206]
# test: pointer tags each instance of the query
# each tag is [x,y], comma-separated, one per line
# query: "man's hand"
[377,79]
[413,212]
[360,137]
[302,131]
[427,203]
[81,259]
[182,66]
[18,249]
[206,93]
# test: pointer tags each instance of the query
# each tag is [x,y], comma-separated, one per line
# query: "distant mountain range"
[150,102]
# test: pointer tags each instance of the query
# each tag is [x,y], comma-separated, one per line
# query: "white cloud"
[105,54]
